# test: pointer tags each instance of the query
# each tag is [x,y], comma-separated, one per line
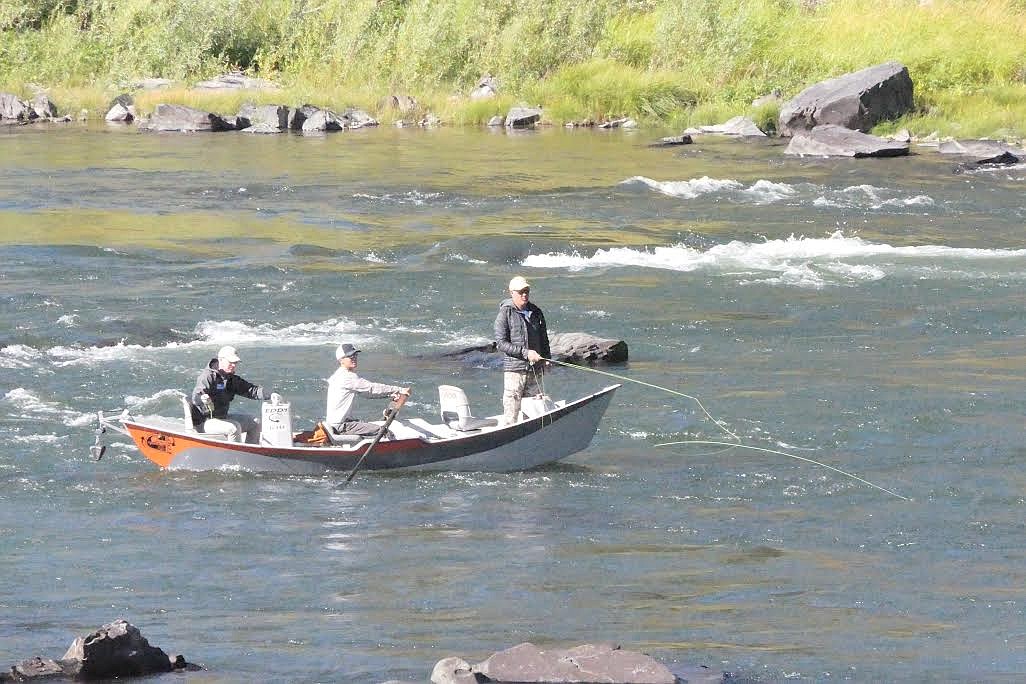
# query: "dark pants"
[357,427]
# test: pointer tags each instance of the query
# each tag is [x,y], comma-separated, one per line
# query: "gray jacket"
[513,335]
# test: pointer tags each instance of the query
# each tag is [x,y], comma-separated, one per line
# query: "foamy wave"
[767,192]
[217,333]
[761,192]
[32,406]
[796,261]
[688,189]
[19,356]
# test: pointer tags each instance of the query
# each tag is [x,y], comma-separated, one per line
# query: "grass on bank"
[678,63]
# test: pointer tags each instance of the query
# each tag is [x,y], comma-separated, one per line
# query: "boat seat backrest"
[187,414]
[456,410]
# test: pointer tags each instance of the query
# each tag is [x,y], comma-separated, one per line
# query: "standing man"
[343,386]
[521,335]
[216,386]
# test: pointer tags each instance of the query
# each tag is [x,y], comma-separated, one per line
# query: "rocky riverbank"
[830,118]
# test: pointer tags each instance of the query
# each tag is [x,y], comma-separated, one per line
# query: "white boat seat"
[456,410]
[189,427]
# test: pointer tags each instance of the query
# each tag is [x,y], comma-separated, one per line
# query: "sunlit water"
[865,314]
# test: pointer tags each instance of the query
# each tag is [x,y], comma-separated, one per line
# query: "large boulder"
[837,141]
[858,100]
[168,117]
[13,107]
[322,120]
[117,649]
[270,115]
[583,348]
[523,117]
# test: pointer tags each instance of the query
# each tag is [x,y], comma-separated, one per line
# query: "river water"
[866,314]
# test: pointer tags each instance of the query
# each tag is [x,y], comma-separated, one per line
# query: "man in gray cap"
[521,335]
[343,386]
[216,386]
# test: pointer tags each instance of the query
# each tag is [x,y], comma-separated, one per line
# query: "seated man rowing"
[343,386]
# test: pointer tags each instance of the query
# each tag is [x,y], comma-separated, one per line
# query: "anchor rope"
[738,443]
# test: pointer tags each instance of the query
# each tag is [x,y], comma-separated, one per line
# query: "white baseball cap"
[518,283]
[228,353]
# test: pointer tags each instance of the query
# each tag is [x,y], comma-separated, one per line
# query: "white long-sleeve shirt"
[343,386]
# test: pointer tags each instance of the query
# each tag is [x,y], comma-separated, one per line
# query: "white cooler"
[276,424]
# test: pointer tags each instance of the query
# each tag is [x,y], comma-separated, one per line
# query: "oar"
[390,414]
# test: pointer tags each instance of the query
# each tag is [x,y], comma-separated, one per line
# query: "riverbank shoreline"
[656,62]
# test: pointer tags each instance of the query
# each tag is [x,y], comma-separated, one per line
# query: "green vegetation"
[674,62]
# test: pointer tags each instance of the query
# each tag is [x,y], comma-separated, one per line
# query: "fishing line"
[726,444]
[648,384]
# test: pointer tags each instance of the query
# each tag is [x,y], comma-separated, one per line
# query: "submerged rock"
[587,663]
[837,141]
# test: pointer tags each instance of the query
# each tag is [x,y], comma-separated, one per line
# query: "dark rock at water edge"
[523,117]
[587,663]
[836,141]
[984,151]
[14,108]
[168,117]
[672,141]
[858,100]
[270,115]
[116,650]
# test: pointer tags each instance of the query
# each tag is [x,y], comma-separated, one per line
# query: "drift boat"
[547,432]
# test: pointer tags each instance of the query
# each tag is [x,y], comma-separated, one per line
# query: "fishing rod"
[738,443]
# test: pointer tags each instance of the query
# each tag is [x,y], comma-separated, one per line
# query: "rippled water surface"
[864,314]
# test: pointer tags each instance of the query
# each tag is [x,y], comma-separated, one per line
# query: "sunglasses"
[526,290]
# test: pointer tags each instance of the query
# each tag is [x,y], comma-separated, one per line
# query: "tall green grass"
[668,61]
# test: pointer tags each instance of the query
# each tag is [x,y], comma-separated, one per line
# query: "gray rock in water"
[353,118]
[584,348]
[857,100]
[322,120]
[168,117]
[453,670]
[523,117]
[983,151]
[36,669]
[43,107]
[837,141]
[588,663]
[739,126]
[117,649]
[269,115]
[13,107]
[120,113]
[496,122]
[672,141]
